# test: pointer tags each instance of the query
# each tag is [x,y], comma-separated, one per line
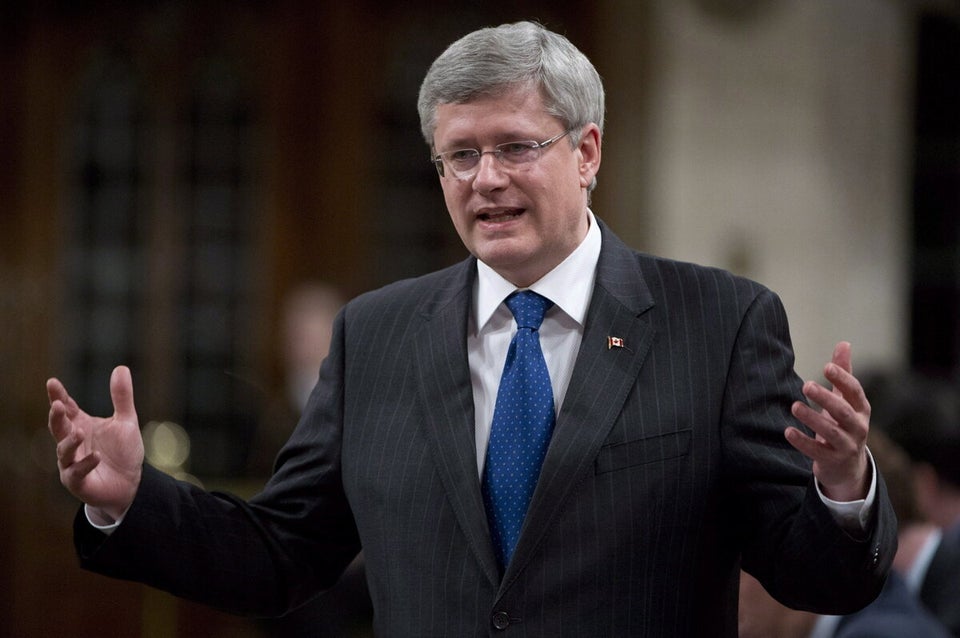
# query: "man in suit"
[680,444]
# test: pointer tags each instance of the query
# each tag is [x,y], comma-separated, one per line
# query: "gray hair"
[492,59]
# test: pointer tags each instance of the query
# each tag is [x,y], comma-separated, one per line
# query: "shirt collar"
[568,285]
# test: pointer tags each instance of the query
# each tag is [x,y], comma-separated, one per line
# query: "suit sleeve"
[791,542]
[260,558]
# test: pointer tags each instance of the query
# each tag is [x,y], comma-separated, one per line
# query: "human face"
[521,221]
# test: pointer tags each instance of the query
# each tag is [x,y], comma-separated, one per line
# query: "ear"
[589,150]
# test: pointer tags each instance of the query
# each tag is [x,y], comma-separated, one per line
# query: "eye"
[516,149]
[463,155]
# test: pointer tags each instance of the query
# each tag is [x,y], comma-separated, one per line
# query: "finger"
[73,475]
[848,387]
[67,449]
[816,449]
[821,425]
[839,430]
[57,422]
[121,392]
[807,445]
[56,391]
[820,397]
[839,405]
[842,356]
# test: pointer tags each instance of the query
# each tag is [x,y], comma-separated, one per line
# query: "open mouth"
[500,215]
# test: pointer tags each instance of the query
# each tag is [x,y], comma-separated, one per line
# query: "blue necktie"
[522,424]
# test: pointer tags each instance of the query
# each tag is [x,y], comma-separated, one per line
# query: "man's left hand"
[839,449]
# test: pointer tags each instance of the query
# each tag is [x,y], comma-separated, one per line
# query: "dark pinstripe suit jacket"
[667,465]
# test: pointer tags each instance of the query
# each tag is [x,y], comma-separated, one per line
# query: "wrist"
[103,517]
[854,490]
[110,513]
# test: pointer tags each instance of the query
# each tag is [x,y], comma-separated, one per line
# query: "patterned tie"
[522,424]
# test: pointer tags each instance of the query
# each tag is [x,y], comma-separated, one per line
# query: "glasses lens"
[518,152]
[462,160]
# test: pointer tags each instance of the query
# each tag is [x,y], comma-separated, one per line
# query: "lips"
[499,214]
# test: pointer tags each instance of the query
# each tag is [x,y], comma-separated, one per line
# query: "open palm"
[839,447]
[100,459]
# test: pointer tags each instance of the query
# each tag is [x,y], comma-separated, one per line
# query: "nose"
[490,174]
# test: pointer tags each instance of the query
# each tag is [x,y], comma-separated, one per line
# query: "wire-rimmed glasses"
[465,162]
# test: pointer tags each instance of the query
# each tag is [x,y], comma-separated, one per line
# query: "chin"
[505,259]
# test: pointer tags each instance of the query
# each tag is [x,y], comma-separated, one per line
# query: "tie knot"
[528,308]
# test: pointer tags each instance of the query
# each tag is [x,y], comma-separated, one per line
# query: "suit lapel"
[446,393]
[602,378]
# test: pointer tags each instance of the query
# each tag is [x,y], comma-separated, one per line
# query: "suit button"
[501,620]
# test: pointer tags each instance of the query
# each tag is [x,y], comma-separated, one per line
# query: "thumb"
[121,393]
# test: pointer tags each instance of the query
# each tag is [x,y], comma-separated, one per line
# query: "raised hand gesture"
[100,459]
[839,449]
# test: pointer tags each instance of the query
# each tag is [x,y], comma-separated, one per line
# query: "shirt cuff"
[853,516]
[100,521]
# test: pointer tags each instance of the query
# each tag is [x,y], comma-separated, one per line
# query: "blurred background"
[177,177]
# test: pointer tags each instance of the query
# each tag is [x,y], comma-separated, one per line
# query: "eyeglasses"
[465,162]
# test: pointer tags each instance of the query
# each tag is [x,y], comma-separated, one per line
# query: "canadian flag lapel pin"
[614,342]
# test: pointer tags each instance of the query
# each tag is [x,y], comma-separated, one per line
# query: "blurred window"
[159,271]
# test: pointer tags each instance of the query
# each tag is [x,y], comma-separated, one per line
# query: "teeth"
[503,216]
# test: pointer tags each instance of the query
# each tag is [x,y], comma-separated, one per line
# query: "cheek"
[455,203]
[558,184]
[450,201]
[453,195]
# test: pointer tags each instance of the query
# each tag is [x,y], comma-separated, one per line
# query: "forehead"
[518,113]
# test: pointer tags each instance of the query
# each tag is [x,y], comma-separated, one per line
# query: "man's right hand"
[100,459]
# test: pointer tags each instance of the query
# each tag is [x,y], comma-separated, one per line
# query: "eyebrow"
[461,142]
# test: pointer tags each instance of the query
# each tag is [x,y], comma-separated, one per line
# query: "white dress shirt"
[569,286]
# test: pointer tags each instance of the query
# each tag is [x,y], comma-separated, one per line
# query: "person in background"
[307,316]
[896,613]
[921,413]
[309,311]
[556,436]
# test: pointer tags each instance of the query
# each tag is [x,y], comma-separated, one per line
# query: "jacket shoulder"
[414,293]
